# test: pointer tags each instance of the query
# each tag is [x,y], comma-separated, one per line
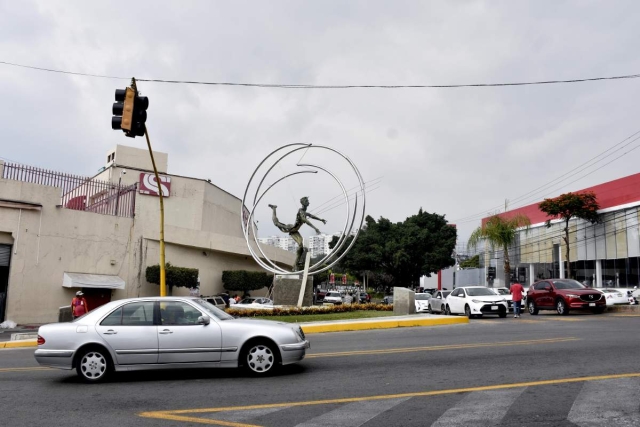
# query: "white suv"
[333,297]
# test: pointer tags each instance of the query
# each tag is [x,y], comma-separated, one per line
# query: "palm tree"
[500,232]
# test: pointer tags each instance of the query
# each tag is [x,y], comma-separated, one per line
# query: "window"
[138,314]
[540,286]
[178,313]
[115,318]
[437,295]
[455,293]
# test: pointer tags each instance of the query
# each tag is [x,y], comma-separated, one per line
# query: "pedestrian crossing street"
[601,403]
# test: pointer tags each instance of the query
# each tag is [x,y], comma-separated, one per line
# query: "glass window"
[567,284]
[178,313]
[213,310]
[477,292]
[138,314]
[445,294]
[115,318]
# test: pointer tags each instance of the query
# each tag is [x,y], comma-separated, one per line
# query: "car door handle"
[165,332]
[110,332]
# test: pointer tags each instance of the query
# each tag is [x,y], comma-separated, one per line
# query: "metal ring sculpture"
[352,213]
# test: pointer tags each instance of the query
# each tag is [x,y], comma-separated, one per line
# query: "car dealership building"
[606,254]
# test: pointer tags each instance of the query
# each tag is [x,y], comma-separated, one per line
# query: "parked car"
[255,303]
[422,302]
[615,297]
[387,299]
[364,298]
[333,297]
[564,295]
[217,301]
[475,301]
[166,333]
[504,292]
[320,294]
[437,302]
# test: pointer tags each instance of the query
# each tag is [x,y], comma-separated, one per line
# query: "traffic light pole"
[163,276]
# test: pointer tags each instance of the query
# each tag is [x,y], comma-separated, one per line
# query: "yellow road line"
[35,368]
[18,344]
[382,324]
[440,347]
[176,415]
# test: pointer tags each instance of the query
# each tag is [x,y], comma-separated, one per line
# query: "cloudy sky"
[459,152]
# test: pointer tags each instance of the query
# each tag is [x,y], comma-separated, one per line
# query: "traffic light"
[129,112]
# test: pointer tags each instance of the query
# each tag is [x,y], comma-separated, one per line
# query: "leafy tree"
[181,277]
[244,281]
[500,232]
[403,251]
[473,262]
[571,205]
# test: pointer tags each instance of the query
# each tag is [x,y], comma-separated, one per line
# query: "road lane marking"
[607,401]
[442,347]
[484,408]
[178,415]
[35,368]
[353,414]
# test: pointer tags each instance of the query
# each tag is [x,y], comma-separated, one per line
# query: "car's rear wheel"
[260,358]
[94,365]
[467,312]
[561,307]
[533,310]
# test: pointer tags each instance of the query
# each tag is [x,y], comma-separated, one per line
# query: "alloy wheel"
[260,359]
[93,366]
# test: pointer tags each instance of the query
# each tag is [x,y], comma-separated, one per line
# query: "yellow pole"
[163,287]
[163,276]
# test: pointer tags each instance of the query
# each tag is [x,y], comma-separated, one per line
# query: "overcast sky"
[457,152]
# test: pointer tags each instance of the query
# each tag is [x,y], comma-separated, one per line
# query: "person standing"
[79,305]
[516,291]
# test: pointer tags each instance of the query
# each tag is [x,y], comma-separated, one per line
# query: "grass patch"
[362,314]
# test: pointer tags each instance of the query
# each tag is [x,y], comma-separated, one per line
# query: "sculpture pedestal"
[286,291]
[404,301]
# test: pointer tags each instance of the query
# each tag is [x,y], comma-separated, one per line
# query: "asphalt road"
[546,370]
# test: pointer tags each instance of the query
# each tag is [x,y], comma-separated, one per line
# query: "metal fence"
[78,192]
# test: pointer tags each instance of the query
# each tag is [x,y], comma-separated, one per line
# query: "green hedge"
[180,277]
[295,311]
[243,280]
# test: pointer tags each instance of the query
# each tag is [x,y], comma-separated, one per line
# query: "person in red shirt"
[79,305]
[516,290]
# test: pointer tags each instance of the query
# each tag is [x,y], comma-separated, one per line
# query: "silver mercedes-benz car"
[168,332]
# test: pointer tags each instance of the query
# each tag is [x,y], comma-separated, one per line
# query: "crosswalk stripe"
[354,414]
[607,404]
[481,409]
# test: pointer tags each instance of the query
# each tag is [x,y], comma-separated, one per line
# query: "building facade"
[60,233]
[606,254]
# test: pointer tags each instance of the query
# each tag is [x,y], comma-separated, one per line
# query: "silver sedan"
[169,332]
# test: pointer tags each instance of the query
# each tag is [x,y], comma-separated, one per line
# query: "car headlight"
[300,333]
[477,301]
[573,296]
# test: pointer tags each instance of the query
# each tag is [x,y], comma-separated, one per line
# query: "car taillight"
[40,340]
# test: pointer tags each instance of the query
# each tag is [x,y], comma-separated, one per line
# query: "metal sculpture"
[354,212]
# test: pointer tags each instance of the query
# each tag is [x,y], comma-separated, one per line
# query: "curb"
[19,344]
[382,324]
[623,308]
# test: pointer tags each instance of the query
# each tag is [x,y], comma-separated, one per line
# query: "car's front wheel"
[561,307]
[94,365]
[429,309]
[447,311]
[260,358]
[467,312]
[533,310]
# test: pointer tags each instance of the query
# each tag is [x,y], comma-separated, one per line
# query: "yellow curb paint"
[359,326]
[35,368]
[19,344]
[442,347]
[176,414]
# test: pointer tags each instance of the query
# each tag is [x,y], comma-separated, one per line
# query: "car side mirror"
[204,320]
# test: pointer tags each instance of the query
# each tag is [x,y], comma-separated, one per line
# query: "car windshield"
[333,294]
[423,296]
[213,310]
[502,291]
[568,284]
[248,301]
[478,292]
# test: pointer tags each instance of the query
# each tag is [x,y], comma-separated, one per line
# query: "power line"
[310,86]
[580,168]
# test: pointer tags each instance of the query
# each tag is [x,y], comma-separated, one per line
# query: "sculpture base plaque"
[286,291]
